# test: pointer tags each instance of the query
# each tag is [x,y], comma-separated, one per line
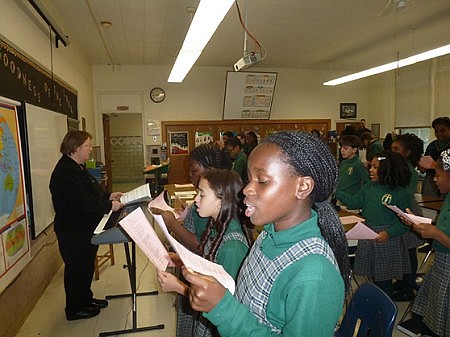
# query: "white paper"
[140,193]
[361,232]
[196,262]
[160,202]
[414,218]
[349,219]
[141,231]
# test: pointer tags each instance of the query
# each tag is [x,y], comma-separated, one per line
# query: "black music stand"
[131,265]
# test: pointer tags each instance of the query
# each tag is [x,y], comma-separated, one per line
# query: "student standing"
[431,312]
[385,258]
[80,204]
[441,126]
[373,146]
[293,280]
[225,240]
[352,173]
[411,148]
[233,147]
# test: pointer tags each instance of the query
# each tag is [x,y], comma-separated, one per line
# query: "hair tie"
[445,155]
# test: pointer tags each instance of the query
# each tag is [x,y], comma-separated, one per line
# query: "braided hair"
[393,169]
[210,155]
[227,186]
[309,156]
[412,143]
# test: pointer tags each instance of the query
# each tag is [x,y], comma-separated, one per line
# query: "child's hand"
[174,260]
[427,231]
[167,216]
[382,237]
[204,292]
[169,282]
[406,221]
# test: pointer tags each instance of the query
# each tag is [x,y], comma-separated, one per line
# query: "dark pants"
[79,255]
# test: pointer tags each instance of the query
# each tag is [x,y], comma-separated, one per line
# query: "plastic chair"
[370,313]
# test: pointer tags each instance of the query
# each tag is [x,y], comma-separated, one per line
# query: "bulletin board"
[179,170]
[45,131]
[249,95]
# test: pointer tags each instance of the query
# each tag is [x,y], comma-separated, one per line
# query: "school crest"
[350,171]
[386,199]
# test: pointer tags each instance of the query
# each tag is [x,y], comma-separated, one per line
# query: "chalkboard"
[45,132]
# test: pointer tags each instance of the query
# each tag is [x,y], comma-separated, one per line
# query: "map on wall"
[14,243]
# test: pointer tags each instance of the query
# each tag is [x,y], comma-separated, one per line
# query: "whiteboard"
[45,130]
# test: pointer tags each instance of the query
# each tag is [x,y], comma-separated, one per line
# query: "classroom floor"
[48,319]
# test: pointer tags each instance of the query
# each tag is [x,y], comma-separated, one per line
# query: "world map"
[9,172]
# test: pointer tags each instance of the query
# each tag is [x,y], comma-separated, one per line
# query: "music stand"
[131,266]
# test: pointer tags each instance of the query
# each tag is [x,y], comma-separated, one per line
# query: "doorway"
[124,150]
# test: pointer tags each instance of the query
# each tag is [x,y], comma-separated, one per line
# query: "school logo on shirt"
[350,171]
[386,199]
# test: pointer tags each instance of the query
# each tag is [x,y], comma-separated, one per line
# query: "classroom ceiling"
[307,34]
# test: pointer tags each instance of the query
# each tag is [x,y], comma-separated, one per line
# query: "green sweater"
[370,199]
[307,296]
[240,166]
[352,175]
[412,187]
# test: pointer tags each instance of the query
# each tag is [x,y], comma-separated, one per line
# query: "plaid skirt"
[433,299]
[382,261]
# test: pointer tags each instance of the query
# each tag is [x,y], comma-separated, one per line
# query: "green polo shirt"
[352,175]
[307,296]
[370,199]
[240,166]
[443,224]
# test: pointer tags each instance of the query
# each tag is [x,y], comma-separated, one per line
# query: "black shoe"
[85,312]
[411,327]
[99,303]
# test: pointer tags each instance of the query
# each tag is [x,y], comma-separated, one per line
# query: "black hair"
[228,134]
[309,156]
[412,143]
[349,130]
[210,155]
[441,121]
[388,140]
[253,136]
[350,140]
[233,141]
[393,169]
[227,186]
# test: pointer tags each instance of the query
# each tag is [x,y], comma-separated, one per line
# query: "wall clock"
[157,95]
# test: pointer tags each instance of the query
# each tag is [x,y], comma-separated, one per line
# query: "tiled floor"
[48,319]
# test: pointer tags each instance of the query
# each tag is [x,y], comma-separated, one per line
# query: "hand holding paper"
[160,203]
[410,217]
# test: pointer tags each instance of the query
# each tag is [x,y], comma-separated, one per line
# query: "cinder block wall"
[127,159]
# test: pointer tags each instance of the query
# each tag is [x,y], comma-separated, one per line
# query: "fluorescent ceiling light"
[207,18]
[393,65]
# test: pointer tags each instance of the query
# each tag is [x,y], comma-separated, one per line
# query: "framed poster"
[375,130]
[249,95]
[179,142]
[347,110]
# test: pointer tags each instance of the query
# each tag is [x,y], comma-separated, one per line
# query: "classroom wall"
[26,35]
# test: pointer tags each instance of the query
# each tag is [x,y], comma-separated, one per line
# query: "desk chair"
[370,313]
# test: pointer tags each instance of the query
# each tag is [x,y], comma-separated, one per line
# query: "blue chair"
[370,313]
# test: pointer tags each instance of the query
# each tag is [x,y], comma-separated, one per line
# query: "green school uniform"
[240,166]
[370,199]
[352,175]
[307,296]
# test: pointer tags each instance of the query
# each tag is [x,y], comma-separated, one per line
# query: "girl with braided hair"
[225,241]
[295,276]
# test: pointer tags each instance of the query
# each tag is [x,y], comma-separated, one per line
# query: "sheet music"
[102,223]
[140,193]
[196,262]
[349,219]
[141,231]
[160,202]
[184,186]
[361,232]
[414,218]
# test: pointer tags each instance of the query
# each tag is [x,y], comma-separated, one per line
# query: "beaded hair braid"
[310,156]
[227,186]
[210,155]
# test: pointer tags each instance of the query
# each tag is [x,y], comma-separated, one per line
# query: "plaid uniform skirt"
[382,261]
[433,300]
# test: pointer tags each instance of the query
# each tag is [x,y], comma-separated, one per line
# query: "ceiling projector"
[247,61]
